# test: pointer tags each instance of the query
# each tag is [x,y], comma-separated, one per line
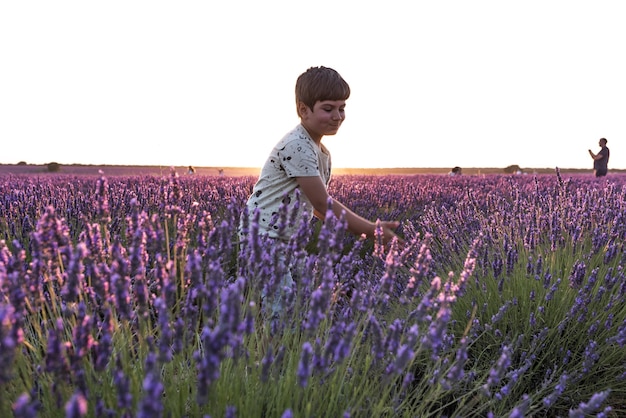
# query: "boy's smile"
[325,118]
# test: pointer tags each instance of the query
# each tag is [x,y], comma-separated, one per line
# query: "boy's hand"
[388,231]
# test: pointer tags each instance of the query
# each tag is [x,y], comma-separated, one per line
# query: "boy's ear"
[302,109]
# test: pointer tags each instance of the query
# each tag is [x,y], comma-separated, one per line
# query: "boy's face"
[325,118]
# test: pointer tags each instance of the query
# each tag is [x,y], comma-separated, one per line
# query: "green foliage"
[53,167]
[512,169]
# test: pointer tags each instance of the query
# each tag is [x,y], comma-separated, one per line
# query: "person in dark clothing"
[601,159]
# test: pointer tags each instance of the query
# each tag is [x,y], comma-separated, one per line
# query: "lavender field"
[133,296]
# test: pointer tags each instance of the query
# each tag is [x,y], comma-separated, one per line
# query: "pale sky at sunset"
[208,83]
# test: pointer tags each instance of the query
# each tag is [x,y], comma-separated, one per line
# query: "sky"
[211,83]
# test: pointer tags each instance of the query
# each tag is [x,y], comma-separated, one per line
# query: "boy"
[300,162]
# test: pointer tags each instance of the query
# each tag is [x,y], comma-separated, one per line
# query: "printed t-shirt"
[296,155]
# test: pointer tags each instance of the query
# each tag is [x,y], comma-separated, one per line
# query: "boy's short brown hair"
[319,84]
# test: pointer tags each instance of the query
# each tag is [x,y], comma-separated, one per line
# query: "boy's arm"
[315,191]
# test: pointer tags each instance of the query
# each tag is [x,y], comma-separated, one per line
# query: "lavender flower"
[343,348]
[26,407]
[513,377]
[266,363]
[178,342]
[50,247]
[304,366]
[55,359]
[520,410]
[74,274]
[76,407]
[394,334]
[151,405]
[433,339]
[102,411]
[498,317]
[173,194]
[421,268]
[594,404]
[102,194]
[121,290]
[231,412]
[557,392]
[457,370]
[378,345]
[405,353]
[591,356]
[497,266]
[122,384]
[165,331]
[577,275]
[498,370]
[320,300]
[552,290]
[209,358]
[10,338]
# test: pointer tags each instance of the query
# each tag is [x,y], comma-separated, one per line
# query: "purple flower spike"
[577,275]
[122,383]
[10,338]
[421,268]
[76,407]
[75,274]
[437,330]
[404,356]
[304,366]
[166,334]
[374,329]
[50,246]
[558,390]
[457,370]
[520,410]
[121,287]
[151,404]
[231,412]
[267,361]
[591,356]
[497,372]
[25,407]
[320,301]
[56,359]
[102,193]
[594,404]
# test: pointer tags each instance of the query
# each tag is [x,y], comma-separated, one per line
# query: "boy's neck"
[316,138]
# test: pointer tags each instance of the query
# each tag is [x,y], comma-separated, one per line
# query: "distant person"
[456,171]
[191,170]
[601,159]
[221,171]
[300,163]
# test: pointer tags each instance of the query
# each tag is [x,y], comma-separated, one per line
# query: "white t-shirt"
[296,155]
